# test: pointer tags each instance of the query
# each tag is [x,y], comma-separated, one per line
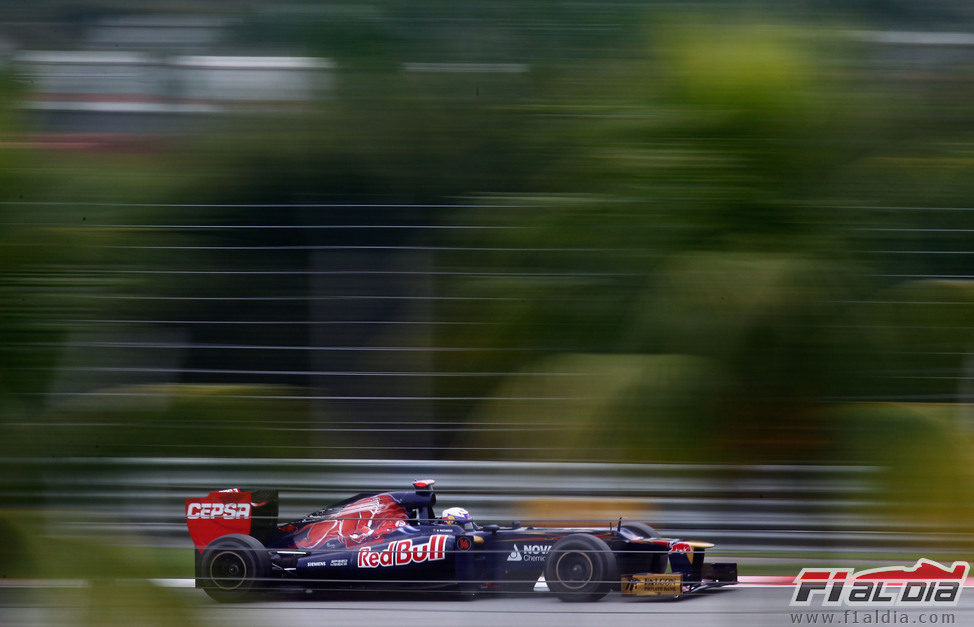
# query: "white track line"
[755,581]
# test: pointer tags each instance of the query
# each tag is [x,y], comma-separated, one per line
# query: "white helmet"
[456,516]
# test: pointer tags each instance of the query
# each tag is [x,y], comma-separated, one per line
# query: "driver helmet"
[456,516]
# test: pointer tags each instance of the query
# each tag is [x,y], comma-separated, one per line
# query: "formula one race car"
[376,540]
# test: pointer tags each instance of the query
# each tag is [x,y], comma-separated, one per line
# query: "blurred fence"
[354,265]
[766,511]
[137,92]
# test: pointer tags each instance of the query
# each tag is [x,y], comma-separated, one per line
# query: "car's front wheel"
[658,558]
[581,567]
[234,567]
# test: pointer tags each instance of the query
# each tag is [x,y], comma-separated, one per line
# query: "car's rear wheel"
[234,567]
[581,567]
[658,557]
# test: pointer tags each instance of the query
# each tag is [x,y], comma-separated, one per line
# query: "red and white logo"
[364,520]
[926,583]
[218,514]
[403,552]
[210,511]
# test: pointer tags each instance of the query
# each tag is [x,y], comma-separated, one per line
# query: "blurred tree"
[27,304]
[708,220]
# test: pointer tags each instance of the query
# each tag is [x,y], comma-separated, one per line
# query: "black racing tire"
[234,568]
[659,559]
[581,567]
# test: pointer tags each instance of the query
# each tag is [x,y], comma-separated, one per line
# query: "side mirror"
[491,528]
[515,524]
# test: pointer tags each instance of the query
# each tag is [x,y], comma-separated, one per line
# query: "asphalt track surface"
[750,606]
[747,606]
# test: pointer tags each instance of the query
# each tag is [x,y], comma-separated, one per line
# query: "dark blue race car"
[394,539]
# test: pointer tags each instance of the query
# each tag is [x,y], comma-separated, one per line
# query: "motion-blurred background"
[702,265]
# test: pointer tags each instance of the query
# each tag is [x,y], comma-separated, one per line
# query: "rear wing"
[250,512]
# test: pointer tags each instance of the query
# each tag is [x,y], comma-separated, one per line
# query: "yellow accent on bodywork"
[648,584]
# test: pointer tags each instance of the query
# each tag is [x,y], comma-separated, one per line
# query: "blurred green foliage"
[174,420]
[925,465]
[100,584]
[682,279]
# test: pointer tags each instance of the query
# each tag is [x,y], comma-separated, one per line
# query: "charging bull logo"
[367,519]
[403,552]
[681,547]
